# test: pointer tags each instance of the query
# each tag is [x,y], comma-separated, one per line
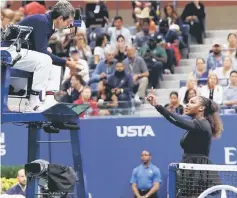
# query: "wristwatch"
[146,196]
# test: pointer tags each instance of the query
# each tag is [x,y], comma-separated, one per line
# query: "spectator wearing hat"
[145,15]
[155,57]
[215,58]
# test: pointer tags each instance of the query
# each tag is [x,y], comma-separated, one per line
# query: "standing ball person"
[196,142]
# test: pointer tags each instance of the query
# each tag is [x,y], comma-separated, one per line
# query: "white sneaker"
[49,102]
[32,106]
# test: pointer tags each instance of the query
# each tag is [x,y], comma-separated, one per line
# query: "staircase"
[171,82]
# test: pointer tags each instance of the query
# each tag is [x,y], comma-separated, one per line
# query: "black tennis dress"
[196,144]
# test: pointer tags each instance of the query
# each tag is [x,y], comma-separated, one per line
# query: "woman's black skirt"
[191,183]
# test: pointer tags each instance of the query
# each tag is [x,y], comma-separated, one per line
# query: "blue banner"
[111,149]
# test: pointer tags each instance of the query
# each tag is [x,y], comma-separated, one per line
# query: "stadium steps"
[172,82]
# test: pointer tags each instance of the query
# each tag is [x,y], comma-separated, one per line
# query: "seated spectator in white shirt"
[117,30]
[230,92]
[80,44]
[99,51]
[215,59]
[223,73]
[191,84]
[212,90]
[83,68]
[230,48]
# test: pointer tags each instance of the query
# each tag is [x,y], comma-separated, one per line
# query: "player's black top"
[197,139]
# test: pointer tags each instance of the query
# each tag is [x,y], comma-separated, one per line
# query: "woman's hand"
[151,98]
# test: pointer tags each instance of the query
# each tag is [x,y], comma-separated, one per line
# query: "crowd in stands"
[117,64]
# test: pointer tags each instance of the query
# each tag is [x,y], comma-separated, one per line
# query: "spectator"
[200,70]
[117,30]
[121,46]
[172,16]
[190,93]
[96,13]
[170,40]
[230,92]
[191,84]
[223,73]
[212,90]
[215,58]
[194,15]
[71,89]
[18,16]
[138,69]
[82,67]
[169,36]
[105,68]
[141,5]
[146,178]
[121,85]
[33,8]
[99,51]
[7,16]
[235,61]
[230,48]
[106,101]
[85,98]
[174,105]
[155,57]
[20,187]
[80,44]
[142,37]
[145,16]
